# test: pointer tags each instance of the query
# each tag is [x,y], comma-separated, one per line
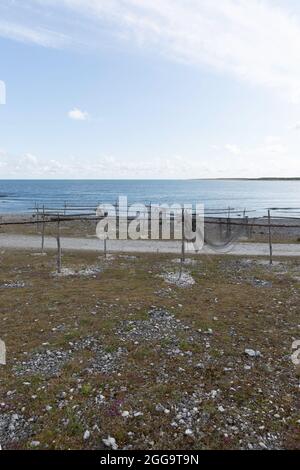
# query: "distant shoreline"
[247,179]
[267,178]
[145,179]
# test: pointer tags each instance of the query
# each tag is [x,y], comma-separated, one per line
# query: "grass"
[59,311]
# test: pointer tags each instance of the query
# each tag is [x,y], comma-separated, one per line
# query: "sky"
[149,88]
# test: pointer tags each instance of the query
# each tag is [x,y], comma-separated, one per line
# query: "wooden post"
[105,248]
[183,239]
[183,250]
[270,237]
[65,208]
[182,259]
[58,246]
[43,230]
[245,222]
[37,218]
[248,230]
[228,223]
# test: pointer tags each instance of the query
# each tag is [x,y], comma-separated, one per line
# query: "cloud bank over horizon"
[246,163]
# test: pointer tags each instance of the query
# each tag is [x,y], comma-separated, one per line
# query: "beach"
[256,230]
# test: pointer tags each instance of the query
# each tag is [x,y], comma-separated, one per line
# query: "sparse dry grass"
[63,311]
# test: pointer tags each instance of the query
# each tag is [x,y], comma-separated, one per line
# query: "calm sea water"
[20,196]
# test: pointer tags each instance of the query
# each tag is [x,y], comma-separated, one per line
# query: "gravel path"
[142,246]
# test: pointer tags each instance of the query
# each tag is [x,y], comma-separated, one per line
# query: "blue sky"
[150,88]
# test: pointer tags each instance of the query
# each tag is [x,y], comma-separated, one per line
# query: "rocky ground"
[132,352]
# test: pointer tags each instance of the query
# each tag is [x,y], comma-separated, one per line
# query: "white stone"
[35,443]
[2,353]
[250,352]
[110,442]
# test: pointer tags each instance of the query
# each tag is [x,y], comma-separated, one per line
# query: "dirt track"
[10,241]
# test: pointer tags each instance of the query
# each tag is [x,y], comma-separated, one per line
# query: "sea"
[253,196]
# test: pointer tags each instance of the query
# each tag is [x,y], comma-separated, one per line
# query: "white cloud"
[77,115]
[273,144]
[231,148]
[257,41]
[30,159]
[39,36]
[253,40]
[272,139]
[109,167]
[296,126]
[256,161]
